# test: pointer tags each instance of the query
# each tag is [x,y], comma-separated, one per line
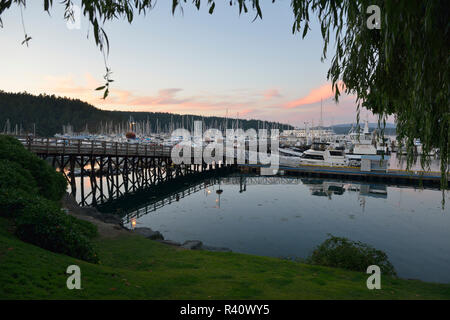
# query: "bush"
[13,201]
[13,176]
[86,228]
[29,192]
[44,224]
[346,254]
[51,184]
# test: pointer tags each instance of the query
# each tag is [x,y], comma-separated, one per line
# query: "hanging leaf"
[211,9]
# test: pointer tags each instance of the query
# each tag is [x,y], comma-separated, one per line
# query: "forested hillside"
[48,113]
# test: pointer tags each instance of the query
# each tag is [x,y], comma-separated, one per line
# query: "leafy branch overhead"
[401,69]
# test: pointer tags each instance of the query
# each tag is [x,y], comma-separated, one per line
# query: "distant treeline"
[47,114]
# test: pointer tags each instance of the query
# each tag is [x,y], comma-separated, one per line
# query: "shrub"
[346,254]
[44,224]
[29,191]
[13,201]
[14,176]
[51,184]
[86,228]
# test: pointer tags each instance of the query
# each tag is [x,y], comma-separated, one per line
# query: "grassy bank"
[132,267]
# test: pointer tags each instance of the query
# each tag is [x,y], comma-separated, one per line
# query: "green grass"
[136,268]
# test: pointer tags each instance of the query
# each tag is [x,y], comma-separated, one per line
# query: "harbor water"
[288,217]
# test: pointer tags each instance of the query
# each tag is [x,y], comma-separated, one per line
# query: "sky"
[189,63]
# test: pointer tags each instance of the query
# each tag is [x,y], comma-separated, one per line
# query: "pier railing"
[59,146]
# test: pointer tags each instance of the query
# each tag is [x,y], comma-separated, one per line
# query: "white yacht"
[323,156]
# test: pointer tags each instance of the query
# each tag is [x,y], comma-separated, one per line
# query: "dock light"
[133,223]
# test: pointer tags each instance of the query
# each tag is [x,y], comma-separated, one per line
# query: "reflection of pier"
[170,192]
[137,208]
[243,181]
[152,206]
[260,180]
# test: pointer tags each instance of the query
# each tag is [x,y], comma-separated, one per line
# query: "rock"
[156,236]
[143,231]
[105,217]
[192,245]
[110,218]
[170,243]
[149,233]
[91,211]
[216,249]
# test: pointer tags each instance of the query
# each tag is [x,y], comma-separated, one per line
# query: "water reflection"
[318,187]
[324,188]
[289,216]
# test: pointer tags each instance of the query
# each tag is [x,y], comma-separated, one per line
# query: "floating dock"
[352,173]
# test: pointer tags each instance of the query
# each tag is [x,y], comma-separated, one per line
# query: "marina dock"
[93,152]
[389,175]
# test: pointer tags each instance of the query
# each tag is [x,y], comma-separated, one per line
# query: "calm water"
[289,217]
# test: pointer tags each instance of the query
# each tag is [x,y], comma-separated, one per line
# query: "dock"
[352,173]
[117,158]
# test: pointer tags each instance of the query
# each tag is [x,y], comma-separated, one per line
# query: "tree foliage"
[46,115]
[50,184]
[30,194]
[401,69]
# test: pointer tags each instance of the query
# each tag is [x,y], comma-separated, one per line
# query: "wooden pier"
[112,168]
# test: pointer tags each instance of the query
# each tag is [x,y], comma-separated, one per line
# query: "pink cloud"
[254,104]
[271,93]
[165,100]
[315,95]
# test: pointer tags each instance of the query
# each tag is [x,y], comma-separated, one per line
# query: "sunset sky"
[191,63]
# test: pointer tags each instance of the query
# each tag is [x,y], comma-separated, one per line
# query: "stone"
[149,233]
[111,218]
[192,245]
[156,236]
[170,243]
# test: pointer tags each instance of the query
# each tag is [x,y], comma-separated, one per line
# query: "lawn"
[132,267]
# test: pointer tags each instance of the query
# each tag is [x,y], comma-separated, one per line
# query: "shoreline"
[110,226]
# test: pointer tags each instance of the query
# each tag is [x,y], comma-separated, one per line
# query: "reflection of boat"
[339,190]
[319,193]
[324,188]
[376,191]
[369,190]
[327,188]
